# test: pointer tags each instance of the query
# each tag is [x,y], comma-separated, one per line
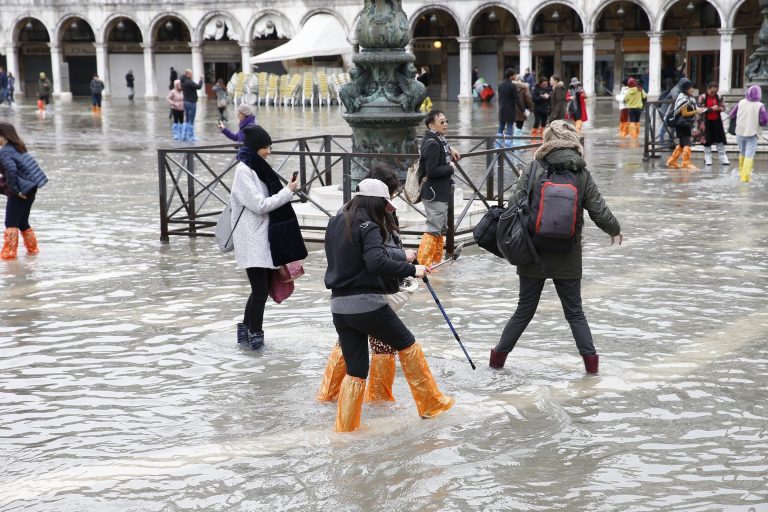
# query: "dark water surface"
[122,389]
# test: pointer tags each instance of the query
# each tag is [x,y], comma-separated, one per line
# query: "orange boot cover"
[30,241]
[381,376]
[672,160]
[10,243]
[335,370]
[439,251]
[578,124]
[687,160]
[350,406]
[427,249]
[429,400]
[40,105]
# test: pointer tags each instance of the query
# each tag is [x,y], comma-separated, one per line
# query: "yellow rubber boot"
[747,173]
[429,400]
[335,370]
[687,160]
[350,406]
[672,160]
[741,165]
[30,241]
[10,244]
[381,376]
[427,249]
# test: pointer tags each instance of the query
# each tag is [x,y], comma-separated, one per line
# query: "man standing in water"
[189,88]
[129,83]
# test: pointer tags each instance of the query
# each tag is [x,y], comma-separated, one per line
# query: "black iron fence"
[657,134]
[194,182]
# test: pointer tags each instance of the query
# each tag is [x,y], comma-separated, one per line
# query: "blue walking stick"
[442,310]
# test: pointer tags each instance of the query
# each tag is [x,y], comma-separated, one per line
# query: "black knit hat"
[256,138]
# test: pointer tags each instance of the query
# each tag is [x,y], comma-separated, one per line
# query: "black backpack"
[556,212]
[485,230]
[512,237]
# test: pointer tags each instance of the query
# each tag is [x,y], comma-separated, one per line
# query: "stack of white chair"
[308,89]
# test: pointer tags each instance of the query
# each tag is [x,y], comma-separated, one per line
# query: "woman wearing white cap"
[361,270]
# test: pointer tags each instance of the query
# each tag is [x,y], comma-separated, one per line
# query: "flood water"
[122,388]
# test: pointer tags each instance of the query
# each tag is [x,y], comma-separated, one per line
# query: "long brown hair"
[375,209]
[8,132]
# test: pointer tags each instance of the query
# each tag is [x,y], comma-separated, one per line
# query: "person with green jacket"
[634,99]
[563,152]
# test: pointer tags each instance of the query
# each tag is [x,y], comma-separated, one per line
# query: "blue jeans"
[747,146]
[190,109]
[96,100]
[510,127]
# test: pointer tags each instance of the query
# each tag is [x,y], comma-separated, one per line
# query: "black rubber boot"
[256,339]
[242,334]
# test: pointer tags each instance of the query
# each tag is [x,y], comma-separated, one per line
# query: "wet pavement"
[122,389]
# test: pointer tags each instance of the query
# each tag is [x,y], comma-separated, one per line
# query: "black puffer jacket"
[436,164]
[364,262]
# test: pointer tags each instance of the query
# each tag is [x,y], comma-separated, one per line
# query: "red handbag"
[290,271]
[281,280]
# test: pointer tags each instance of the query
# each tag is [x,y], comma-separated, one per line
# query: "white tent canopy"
[320,36]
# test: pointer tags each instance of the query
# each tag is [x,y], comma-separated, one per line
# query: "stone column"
[588,63]
[726,56]
[150,78]
[526,55]
[245,56]
[102,66]
[558,67]
[12,63]
[56,64]
[465,69]
[197,66]
[618,63]
[654,64]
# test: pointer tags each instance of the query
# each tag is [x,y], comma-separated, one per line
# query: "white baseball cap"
[370,187]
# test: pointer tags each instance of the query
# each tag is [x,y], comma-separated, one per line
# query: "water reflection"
[122,387]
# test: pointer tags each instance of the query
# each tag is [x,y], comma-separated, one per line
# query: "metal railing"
[656,125]
[194,182]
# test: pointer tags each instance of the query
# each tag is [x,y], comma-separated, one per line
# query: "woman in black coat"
[542,105]
[362,268]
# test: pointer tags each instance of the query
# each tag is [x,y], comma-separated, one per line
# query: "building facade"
[599,41]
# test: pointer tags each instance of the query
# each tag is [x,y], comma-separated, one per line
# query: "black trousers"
[353,330]
[540,119]
[17,211]
[254,309]
[569,291]
[178,116]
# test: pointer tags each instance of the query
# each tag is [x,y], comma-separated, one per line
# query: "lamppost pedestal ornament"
[382,99]
[757,67]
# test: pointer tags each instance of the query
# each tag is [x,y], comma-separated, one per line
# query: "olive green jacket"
[558,265]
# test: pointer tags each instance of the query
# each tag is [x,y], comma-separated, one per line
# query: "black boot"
[256,339]
[242,334]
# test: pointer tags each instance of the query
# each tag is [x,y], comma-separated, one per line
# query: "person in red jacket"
[576,100]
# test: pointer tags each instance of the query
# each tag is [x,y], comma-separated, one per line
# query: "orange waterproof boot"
[687,160]
[427,249]
[429,400]
[623,129]
[10,244]
[672,160]
[381,376]
[335,370]
[350,406]
[30,241]
[439,251]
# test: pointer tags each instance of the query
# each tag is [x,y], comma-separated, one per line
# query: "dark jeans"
[540,119]
[96,100]
[506,126]
[190,109]
[254,309]
[569,291]
[17,211]
[635,114]
[353,330]
[178,116]
[684,134]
